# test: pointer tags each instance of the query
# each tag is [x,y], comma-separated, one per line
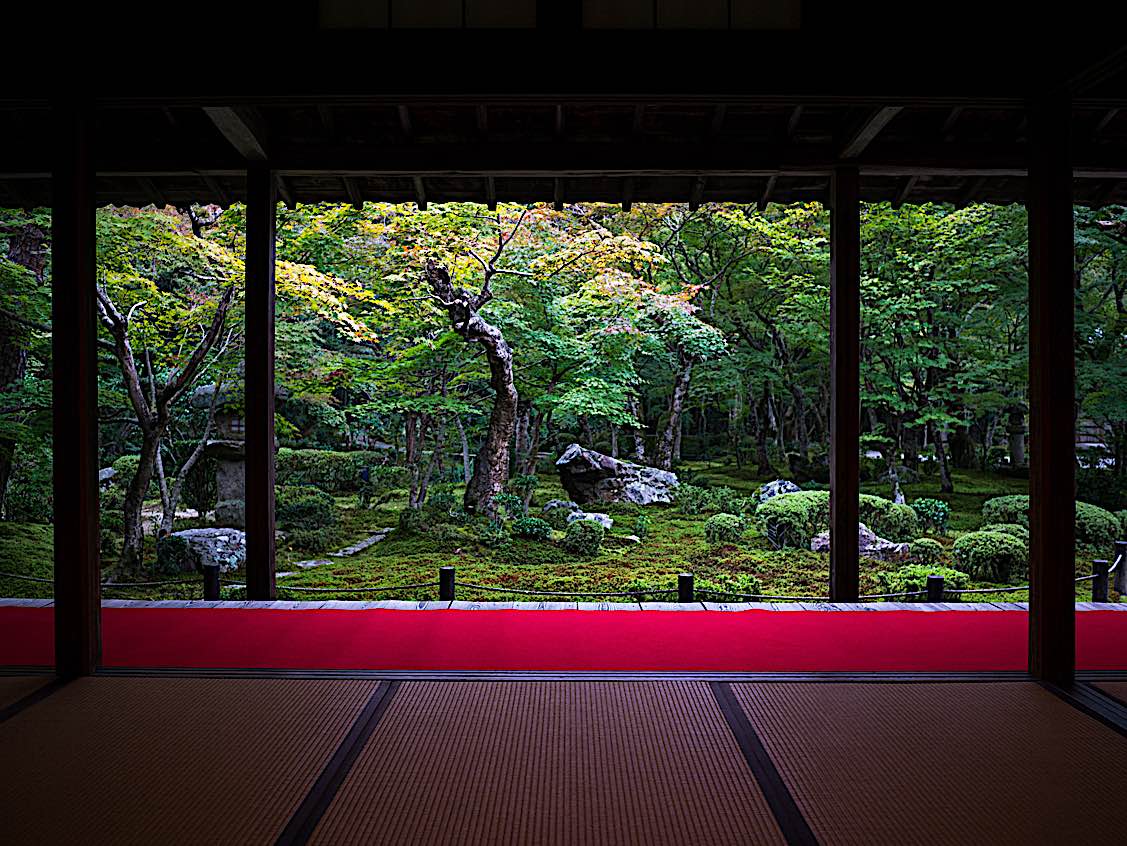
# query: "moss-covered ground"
[674,543]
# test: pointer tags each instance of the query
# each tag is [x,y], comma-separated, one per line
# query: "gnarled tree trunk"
[491,470]
[667,442]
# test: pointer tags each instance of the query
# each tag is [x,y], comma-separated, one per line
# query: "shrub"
[642,526]
[532,528]
[583,537]
[693,499]
[335,472]
[933,514]
[926,551]
[723,528]
[795,517]
[1101,486]
[200,491]
[307,515]
[1122,517]
[913,577]
[1095,526]
[30,495]
[508,506]
[1007,509]
[727,586]
[1015,529]
[889,519]
[491,533]
[990,556]
[556,517]
[411,521]
[175,555]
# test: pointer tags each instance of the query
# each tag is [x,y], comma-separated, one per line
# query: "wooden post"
[845,382]
[259,391]
[446,584]
[1120,581]
[685,592]
[1099,583]
[74,334]
[211,582]
[1052,380]
[934,588]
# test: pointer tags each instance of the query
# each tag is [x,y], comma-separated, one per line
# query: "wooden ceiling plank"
[869,130]
[243,128]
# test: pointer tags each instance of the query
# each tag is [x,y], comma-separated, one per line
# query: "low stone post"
[685,587]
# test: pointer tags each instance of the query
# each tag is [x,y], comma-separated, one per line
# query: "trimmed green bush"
[335,472]
[796,517]
[913,577]
[1095,526]
[1122,517]
[307,515]
[723,528]
[926,551]
[728,586]
[890,520]
[556,517]
[991,556]
[532,528]
[508,506]
[1015,529]
[174,555]
[642,526]
[583,537]
[933,514]
[693,499]
[411,521]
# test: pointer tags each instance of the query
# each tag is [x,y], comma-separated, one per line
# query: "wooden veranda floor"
[292,758]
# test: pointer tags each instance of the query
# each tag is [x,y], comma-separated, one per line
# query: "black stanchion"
[446,584]
[1099,583]
[934,588]
[211,582]
[685,587]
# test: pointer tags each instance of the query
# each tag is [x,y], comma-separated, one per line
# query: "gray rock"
[308,565]
[553,504]
[604,519]
[590,476]
[225,547]
[776,488]
[869,545]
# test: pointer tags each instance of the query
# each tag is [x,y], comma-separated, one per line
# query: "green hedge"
[806,513]
[913,577]
[307,515]
[991,556]
[1095,526]
[723,528]
[335,472]
[926,551]
[583,537]
[693,499]
[532,528]
[1015,529]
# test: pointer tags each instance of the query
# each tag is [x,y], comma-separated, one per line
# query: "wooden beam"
[716,125]
[766,198]
[482,119]
[697,193]
[1103,122]
[149,188]
[639,119]
[627,193]
[560,121]
[905,191]
[259,390]
[869,130]
[328,121]
[405,125]
[947,130]
[1052,380]
[557,194]
[352,187]
[845,381]
[243,128]
[75,394]
[971,190]
[792,121]
[420,193]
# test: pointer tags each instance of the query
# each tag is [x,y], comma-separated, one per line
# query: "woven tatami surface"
[990,763]
[550,762]
[160,760]
[15,688]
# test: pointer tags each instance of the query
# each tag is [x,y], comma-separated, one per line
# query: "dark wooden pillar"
[261,204]
[75,384]
[1052,386]
[845,381]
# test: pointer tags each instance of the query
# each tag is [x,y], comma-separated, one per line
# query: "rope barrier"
[380,589]
[635,593]
[27,578]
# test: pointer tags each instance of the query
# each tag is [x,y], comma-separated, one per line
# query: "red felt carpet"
[748,641]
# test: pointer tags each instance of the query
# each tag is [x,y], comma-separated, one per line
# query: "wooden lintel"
[697,193]
[284,191]
[627,193]
[243,128]
[946,132]
[716,126]
[970,191]
[557,194]
[481,119]
[216,190]
[792,121]
[420,193]
[405,125]
[905,191]
[328,121]
[869,130]
[149,188]
[1104,120]
[490,193]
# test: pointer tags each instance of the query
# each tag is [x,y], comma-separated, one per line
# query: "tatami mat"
[993,763]
[15,688]
[167,761]
[550,762]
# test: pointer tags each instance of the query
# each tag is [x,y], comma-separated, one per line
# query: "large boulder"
[193,549]
[604,520]
[590,476]
[869,545]
[776,488]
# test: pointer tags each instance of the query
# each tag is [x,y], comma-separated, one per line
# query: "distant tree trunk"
[27,247]
[940,440]
[636,432]
[668,440]
[613,441]
[491,469]
[521,440]
[585,431]
[467,465]
[801,432]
